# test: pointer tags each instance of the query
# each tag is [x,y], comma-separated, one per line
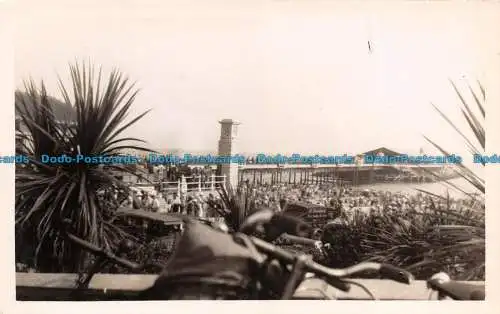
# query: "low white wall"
[34,286]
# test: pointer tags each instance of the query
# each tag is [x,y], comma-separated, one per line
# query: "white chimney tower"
[228,147]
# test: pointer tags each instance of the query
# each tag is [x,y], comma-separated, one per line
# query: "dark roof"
[62,110]
[383,150]
[167,219]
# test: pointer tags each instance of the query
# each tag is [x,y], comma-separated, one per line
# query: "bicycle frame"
[303,267]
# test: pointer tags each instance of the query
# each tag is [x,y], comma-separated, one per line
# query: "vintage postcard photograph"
[250,150]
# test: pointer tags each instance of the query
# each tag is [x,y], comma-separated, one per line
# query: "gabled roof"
[383,150]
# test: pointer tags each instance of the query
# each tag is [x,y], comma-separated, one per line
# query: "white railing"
[193,184]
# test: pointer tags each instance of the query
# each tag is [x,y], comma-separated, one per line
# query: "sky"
[298,75]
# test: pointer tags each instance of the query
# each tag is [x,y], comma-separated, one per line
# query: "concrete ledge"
[58,287]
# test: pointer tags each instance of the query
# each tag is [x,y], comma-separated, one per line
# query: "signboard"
[315,215]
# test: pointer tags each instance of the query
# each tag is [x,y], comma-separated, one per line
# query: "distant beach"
[438,188]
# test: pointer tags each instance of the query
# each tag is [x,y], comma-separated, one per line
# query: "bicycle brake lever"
[338,283]
[396,274]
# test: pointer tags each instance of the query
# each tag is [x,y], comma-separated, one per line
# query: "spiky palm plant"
[49,193]
[468,247]
[237,204]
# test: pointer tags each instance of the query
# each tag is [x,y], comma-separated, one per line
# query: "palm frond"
[471,118]
[477,130]
[237,205]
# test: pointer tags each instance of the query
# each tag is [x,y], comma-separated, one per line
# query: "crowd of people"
[194,204]
[349,199]
[173,200]
[275,196]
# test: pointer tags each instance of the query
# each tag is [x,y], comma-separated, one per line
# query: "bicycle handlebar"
[386,271]
[442,284]
[299,240]
[456,290]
